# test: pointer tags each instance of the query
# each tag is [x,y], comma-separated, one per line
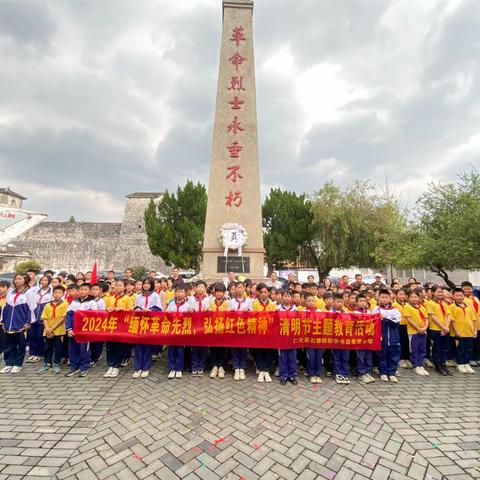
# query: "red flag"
[94,273]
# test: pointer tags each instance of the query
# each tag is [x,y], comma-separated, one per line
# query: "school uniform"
[404,343]
[239,355]
[96,348]
[116,351]
[474,303]
[52,313]
[319,303]
[263,356]
[149,302]
[390,352]
[35,333]
[176,354]
[218,354]
[439,342]
[199,303]
[288,357]
[464,318]
[418,342]
[19,310]
[78,353]
[364,357]
[341,365]
[3,300]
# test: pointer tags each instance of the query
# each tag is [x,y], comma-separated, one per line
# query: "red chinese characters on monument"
[234,198]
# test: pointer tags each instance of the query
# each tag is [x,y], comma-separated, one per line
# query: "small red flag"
[94,273]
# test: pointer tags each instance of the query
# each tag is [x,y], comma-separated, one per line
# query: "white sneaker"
[339,379]
[384,378]
[424,372]
[393,379]
[451,363]
[313,379]
[418,371]
[221,372]
[277,372]
[461,368]
[428,363]
[214,372]
[267,377]
[403,364]
[319,380]
[242,374]
[6,370]
[346,380]
[16,369]
[171,374]
[408,363]
[108,372]
[145,374]
[261,377]
[178,374]
[114,373]
[372,380]
[137,374]
[365,379]
[236,377]
[469,369]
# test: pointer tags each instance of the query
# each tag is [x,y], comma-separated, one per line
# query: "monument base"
[215,265]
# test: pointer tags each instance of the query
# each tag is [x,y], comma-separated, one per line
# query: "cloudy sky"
[102,98]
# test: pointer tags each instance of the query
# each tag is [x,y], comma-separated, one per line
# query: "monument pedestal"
[234,185]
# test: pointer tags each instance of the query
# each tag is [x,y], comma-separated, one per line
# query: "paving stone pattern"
[199,428]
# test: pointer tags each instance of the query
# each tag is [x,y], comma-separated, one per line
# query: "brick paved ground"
[198,428]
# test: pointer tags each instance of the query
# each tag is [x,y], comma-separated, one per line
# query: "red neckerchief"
[146,299]
[442,308]
[218,305]
[54,308]
[42,295]
[200,299]
[178,305]
[350,309]
[17,294]
[286,309]
[463,306]
[422,315]
[386,307]
[117,298]
[475,303]
[239,302]
[264,305]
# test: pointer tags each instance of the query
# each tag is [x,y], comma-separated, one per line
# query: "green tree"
[26,265]
[139,272]
[445,233]
[175,227]
[287,223]
[350,225]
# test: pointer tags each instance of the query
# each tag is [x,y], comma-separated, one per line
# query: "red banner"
[232,329]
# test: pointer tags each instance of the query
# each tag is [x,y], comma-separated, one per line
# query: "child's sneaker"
[114,373]
[71,372]
[461,368]
[346,380]
[365,379]
[428,363]
[370,378]
[44,369]
[418,371]
[16,369]
[424,372]
[221,372]
[194,373]
[137,374]
[6,370]
[384,378]
[451,363]
[178,374]
[283,381]
[313,379]
[294,381]
[469,369]
[393,379]
[277,372]
[145,373]
[403,364]
[242,374]
[214,372]
[57,369]
[171,374]
[83,373]
[108,373]
[261,377]
[236,376]
[200,373]
[339,379]
[267,377]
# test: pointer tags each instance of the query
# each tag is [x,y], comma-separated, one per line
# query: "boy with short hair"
[96,348]
[78,352]
[390,352]
[53,318]
[472,301]
[288,357]
[297,299]
[176,354]
[465,329]
[314,355]
[417,325]
[439,330]
[341,357]
[399,304]
[364,357]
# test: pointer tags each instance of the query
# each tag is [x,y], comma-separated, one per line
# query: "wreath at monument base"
[232,236]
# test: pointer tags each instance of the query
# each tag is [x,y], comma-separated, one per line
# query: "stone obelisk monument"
[233,229]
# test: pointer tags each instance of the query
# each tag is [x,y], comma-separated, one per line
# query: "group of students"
[422,325]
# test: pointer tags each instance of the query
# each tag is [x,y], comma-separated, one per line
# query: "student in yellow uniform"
[263,356]
[465,328]
[218,354]
[399,304]
[297,299]
[439,329]
[319,301]
[472,301]
[53,318]
[115,350]
[417,325]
